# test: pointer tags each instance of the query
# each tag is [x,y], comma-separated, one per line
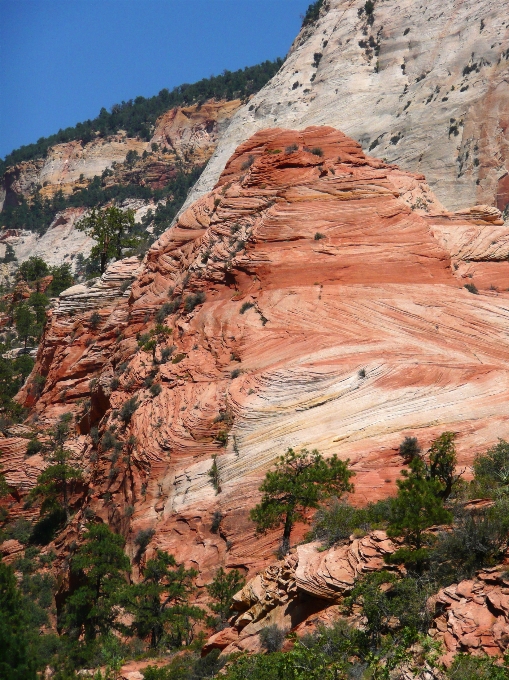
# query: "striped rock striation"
[425,86]
[309,300]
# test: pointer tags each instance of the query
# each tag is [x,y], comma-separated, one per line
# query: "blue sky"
[63,60]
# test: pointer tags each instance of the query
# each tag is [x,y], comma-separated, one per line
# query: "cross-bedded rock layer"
[334,317]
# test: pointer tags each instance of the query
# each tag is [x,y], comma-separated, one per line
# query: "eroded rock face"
[334,317]
[300,591]
[473,616]
[422,86]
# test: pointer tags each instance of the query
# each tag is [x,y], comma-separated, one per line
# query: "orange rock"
[332,319]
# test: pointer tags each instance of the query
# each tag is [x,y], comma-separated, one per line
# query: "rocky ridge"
[306,301]
[424,86]
[183,138]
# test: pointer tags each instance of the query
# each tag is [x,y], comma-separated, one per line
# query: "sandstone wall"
[425,86]
[335,317]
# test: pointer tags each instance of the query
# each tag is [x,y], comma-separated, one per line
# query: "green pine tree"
[300,481]
[160,602]
[222,589]
[418,505]
[101,567]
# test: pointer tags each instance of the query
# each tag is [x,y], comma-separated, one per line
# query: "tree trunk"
[103,262]
[285,544]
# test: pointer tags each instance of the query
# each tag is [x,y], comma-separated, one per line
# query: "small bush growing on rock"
[128,409]
[319,236]
[235,373]
[272,638]
[409,448]
[95,320]
[114,383]
[245,306]
[166,353]
[491,469]
[317,151]
[214,475]
[165,310]
[108,440]
[248,163]
[142,539]
[194,300]
[217,518]
[178,358]
[155,389]
[339,520]
[291,149]
[34,446]
[472,288]
[362,373]
[468,667]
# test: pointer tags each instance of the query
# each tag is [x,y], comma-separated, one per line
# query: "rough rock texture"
[300,589]
[314,266]
[425,86]
[65,163]
[473,616]
[186,135]
[61,242]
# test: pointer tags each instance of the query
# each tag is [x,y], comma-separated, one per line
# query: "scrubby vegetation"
[161,614]
[138,116]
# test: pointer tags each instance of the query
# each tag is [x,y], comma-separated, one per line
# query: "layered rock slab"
[332,318]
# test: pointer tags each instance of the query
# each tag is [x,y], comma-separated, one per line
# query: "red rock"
[376,293]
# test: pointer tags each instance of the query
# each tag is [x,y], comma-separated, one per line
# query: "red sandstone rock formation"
[473,616]
[316,262]
[300,591]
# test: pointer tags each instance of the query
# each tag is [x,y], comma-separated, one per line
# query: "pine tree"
[111,229]
[300,481]
[101,567]
[160,602]
[418,505]
[222,589]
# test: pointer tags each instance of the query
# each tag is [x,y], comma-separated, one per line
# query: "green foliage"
[299,481]
[13,373]
[389,603]
[491,469]
[245,306]
[25,322]
[472,288]
[99,567]
[312,13]
[340,520]
[409,448]
[417,506]
[10,255]
[112,229]
[56,483]
[221,590]
[272,638]
[442,463]
[16,659]
[319,236]
[467,667]
[188,667]
[478,539]
[128,409]
[155,389]
[138,115]
[33,269]
[213,473]
[62,278]
[160,602]
[194,300]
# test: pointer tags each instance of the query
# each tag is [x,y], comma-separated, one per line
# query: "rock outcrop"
[473,616]
[307,301]
[302,589]
[425,86]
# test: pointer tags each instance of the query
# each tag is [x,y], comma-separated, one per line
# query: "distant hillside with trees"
[137,116]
